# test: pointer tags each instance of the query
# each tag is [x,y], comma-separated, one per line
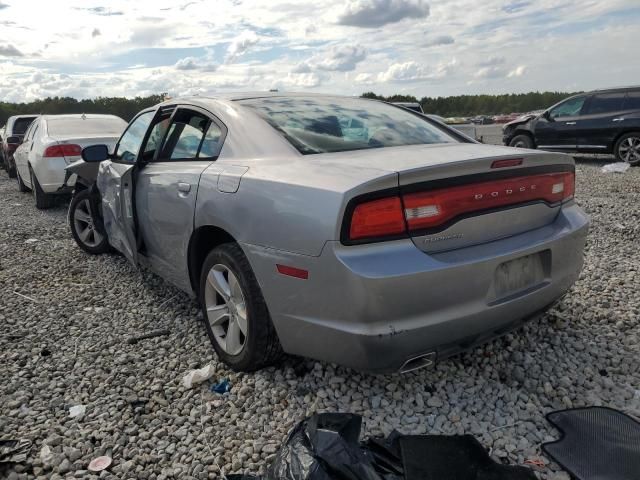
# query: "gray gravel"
[66,344]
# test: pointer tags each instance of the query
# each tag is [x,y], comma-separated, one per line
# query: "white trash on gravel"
[198,376]
[77,411]
[618,167]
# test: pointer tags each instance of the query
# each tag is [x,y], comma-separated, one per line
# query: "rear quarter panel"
[293,204]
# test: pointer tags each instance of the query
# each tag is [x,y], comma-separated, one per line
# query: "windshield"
[323,125]
[78,126]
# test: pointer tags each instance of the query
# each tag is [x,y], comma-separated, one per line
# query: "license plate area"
[520,276]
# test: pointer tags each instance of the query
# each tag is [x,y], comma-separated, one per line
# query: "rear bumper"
[50,173]
[373,307]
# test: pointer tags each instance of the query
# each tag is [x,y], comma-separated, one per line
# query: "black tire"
[43,200]
[11,167]
[78,201]
[621,156]
[262,346]
[521,141]
[21,186]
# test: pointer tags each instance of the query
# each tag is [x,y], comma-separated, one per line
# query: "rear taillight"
[377,218]
[396,216]
[63,150]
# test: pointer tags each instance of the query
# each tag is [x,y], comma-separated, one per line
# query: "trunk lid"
[84,141]
[506,204]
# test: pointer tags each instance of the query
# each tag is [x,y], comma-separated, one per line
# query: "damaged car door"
[182,143]
[115,183]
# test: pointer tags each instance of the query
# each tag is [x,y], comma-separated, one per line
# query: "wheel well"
[524,132]
[203,240]
[615,140]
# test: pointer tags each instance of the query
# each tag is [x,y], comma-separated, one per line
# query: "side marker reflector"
[292,271]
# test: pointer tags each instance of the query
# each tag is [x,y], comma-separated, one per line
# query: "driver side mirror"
[95,153]
[14,140]
[547,116]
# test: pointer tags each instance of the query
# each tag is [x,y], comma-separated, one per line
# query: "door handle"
[184,187]
[618,119]
[570,123]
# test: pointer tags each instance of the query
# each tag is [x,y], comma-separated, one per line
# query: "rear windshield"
[323,125]
[108,126]
[21,124]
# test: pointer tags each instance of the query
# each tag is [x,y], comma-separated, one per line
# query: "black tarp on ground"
[327,447]
[597,443]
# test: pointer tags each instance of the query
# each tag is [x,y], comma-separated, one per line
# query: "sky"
[87,49]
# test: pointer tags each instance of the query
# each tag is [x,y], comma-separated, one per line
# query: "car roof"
[78,115]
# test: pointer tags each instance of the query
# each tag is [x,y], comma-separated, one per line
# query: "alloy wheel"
[85,226]
[629,150]
[226,309]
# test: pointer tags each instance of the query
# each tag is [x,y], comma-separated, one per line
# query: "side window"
[570,108]
[186,132]
[158,129]
[632,102]
[34,131]
[131,140]
[605,103]
[211,144]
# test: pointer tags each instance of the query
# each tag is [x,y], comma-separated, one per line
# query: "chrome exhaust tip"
[416,363]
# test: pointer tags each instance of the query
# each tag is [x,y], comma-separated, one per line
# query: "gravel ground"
[66,317]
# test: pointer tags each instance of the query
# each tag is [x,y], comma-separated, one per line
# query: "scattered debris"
[45,455]
[14,451]
[31,240]
[194,377]
[151,334]
[77,411]
[45,352]
[100,463]
[618,167]
[28,298]
[221,387]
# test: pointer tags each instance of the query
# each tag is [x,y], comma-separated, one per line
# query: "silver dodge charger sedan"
[337,228]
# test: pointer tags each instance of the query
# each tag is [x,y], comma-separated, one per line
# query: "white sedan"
[54,141]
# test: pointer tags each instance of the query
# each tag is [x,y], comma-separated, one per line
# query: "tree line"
[456,106]
[470,105]
[124,108]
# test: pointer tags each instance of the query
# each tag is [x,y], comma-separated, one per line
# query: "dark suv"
[603,121]
[12,138]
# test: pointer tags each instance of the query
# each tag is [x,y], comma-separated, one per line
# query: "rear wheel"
[43,200]
[521,141]
[627,148]
[21,186]
[11,167]
[235,313]
[86,228]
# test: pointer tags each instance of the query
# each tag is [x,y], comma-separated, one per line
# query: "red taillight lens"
[434,208]
[393,216]
[63,150]
[377,218]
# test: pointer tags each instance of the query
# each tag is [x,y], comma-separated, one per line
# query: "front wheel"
[521,141]
[627,148]
[235,313]
[86,229]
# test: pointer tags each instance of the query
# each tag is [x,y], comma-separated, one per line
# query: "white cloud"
[302,67]
[342,58]
[365,79]
[439,40]
[9,51]
[376,13]
[518,71]
[192,63]
[403,72]
[241,44]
